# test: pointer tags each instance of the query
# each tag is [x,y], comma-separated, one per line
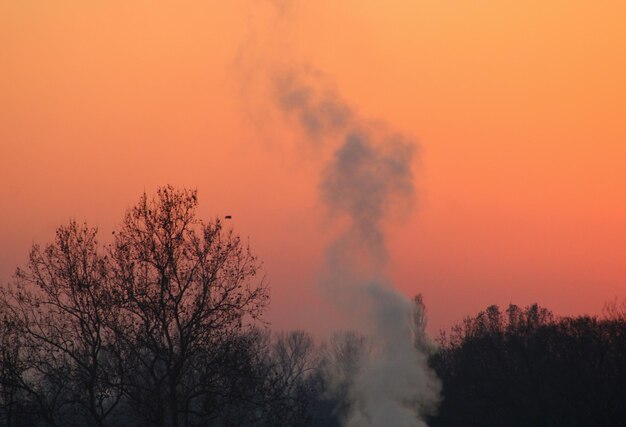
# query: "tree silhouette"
[160,328]
[186,296]
[59,308]
[152,330]
[526,367]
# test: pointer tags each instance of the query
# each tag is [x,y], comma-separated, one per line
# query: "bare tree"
[187,293]
[615,310]
[59,308]
[343,357]
[420,319]
[11,371]
[291,386]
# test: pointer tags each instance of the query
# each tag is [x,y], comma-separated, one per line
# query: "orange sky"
[519,108]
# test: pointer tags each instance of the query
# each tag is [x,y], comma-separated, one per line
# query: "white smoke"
[368,178]
[369,175]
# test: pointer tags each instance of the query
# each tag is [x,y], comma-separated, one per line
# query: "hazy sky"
[519,108]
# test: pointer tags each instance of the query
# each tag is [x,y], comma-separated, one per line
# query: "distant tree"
[291,382]
[342,358]
[282,386]
[187,295]
[615,310]
[526,367]
[421,339]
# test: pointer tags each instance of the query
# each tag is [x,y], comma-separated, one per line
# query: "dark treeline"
[524,367]
[163,327]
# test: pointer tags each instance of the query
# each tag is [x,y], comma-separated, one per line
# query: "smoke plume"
[367,178]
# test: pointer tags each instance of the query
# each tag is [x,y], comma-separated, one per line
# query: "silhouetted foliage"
[13,401]
[59,308]
[159,328]
[615,310]
[525,367]
[185,298]
[151,330]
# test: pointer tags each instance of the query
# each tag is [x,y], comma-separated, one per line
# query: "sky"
[518,110]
